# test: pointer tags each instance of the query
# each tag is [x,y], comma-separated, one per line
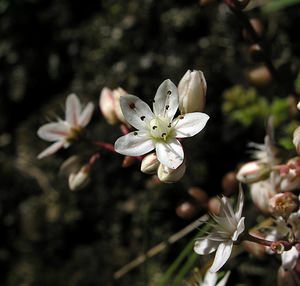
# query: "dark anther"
[169,92]
[181,116]
[142,118]
[167,107]
[163,134]
[135,133]
[154,127]
[131,105]
[169,126]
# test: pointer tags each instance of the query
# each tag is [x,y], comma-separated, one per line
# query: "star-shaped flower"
[226,229]
[158,129]
[63,132]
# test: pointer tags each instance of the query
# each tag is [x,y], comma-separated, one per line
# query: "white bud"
[80,179]
[107,105]
[253,172]
[117,93]
[168,175]
[192,91]
[150,164]
[296,139]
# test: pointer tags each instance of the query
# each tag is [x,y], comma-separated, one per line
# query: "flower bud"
[259,76]
[214,205]
[261,193]
[107,105]
[256,53]
[80,179]
[199,195]
[283,204]
[229,184]
[168,175]
[296,139]
[128,161]
[187,210]
[192,91]
[150,164]
[117,93]
[253,172]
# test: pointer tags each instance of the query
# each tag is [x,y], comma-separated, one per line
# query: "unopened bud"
[107,105]
[187,210]
[256,53]
[257,27]
[214,205]
[70,165]
[229,184]
[128,161]
[296,139]
[168,175]
[261,193]
[259,76]
[283,204]
[150,164]
[117,93]
[287,277]
[80,179]
[253,172]
[192,91]
[199,195]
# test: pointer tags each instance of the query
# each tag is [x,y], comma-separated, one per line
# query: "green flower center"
[160,128]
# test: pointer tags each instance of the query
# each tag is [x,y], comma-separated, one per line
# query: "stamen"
[131,105]
[170,125]
[154,127]
[169,92]
[142,118]
[164,136]
[167,107]
[135,133]
[180,116]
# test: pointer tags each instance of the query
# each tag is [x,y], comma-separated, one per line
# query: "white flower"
[158,130]
[63,132]
[226,229]
[210,279]
[289,258]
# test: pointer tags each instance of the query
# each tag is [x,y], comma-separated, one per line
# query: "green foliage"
[276,5]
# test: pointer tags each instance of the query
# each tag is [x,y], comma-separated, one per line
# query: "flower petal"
[135,143]
[289,258]
[190,124]
[54,131]
[210,279]
[239,229]
[239,204]
[205,246]
[166,100]
[51,149]
[73,109]
[224,279]
[86,115]
[170,153]
[136,112]
[222,255]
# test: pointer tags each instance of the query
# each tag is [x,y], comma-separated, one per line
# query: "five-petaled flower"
[226,229]
[63,132]
[158,129]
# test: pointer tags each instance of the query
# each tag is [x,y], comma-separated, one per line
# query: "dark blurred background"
[50,48]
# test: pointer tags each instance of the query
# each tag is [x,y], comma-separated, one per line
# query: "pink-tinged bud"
[259,76]
[150,164]
[261,193]
[192,92]
[296,139]
[79,180]
[214,205]
[107,105]
[199,195]
[117,93]
[253,172]
[168,175]
[287,277]
[283,204]
[187,210]
[128,161]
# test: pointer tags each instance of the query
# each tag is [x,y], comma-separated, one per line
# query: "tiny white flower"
[289,258]
[158,129]
[226,229]
[63,132]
